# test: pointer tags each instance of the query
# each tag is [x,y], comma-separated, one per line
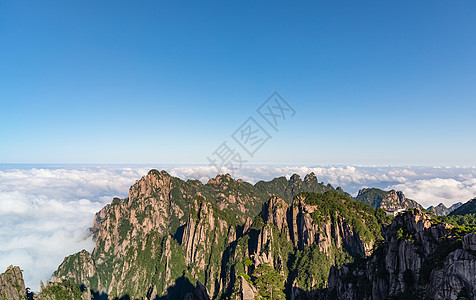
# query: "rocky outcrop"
[247,291]
[288,189]
[180,227]
[456,279]
[442,210]
[390,201]
[420,258]
[79,267]
[12,286]
[206,235]
[313,237]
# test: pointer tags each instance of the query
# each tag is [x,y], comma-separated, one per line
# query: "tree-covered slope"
[288,189]
[467,208]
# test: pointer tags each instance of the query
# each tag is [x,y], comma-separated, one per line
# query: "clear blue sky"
[378,82]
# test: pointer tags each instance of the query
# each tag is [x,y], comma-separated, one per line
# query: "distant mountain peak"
[220,178]
[311,177]
[391,201]
[295,178]
[466,208]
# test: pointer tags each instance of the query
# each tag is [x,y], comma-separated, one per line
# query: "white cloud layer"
[45,211]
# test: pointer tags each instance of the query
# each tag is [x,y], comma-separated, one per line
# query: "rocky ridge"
[391,201]
[442,210]
[467,208]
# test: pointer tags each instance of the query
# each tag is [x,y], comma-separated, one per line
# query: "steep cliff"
[12,286]
[390,201]
[301,241]
[421,258]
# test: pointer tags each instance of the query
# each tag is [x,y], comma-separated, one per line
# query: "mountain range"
[278,239]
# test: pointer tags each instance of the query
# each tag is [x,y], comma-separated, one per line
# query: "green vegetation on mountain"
[467,208]
[270,284]
[391,201]
[365,220]
[288,189]
[372,196]
[467,220]
[228,239]
[63,290]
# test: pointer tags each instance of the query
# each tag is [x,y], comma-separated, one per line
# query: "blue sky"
[167,82]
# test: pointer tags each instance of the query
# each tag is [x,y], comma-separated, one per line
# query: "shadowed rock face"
[12,286]
[466,208]
[419,258]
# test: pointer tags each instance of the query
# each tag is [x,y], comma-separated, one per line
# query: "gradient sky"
[372,82]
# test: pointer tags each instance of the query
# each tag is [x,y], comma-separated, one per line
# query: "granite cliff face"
[420,258]
[12,286]
[390,201]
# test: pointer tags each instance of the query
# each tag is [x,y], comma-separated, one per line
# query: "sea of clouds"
[45,211]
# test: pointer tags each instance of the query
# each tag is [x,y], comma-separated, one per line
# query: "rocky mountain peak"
[220,178]
[391,201]
[274,211]
[413,220]
[295,178]
[146,187]
[362,191]
[420,259]
[310,178]
[12,286]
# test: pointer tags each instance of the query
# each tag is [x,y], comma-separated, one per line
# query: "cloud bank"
[45,214]
[45,211]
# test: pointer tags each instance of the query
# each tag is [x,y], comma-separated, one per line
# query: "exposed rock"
[390,201]
[414,261]
[247,291]
[12,286]
[274,211]
[469,242]
[458,274]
